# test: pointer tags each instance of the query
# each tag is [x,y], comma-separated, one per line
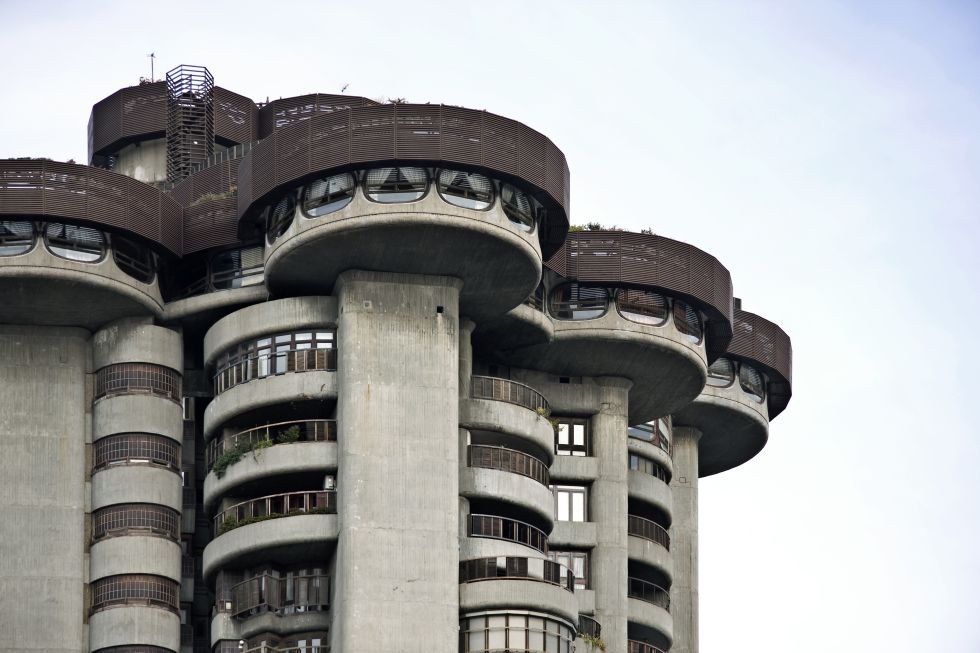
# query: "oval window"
[328,194]
[74,242]
[467,189]
[721,373]
[16,237]
[688,322]
[752,382]
[571,301]
[280,217]
[642,306]
[133,258]
[517,206]
[392,185]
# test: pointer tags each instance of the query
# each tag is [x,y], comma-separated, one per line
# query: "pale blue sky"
[827,152]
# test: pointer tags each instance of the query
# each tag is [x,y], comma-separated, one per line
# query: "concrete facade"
[406,425]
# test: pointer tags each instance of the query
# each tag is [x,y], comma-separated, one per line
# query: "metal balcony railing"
[311,430]
[648,530]
[497,389]
[280,595]
[273,507]
[646,591]
[510,567]
[508,460]
[512,530]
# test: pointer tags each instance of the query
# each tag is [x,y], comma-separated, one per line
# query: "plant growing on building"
[594,642]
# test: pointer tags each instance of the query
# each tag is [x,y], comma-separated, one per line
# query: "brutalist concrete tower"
[325,374]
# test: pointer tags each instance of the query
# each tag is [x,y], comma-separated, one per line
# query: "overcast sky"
[828,153]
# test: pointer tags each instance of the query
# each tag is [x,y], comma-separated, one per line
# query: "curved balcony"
[266,593]
[289,540]
[512,392]
[281,361]
[734,427]
[137,378]
[115,630]
[500,567]
[511,530]
[135,589]
[494,422]
[530,496]
[648,592]
[136,449]
[275,506]
[135,519]
[648,530]
[587,625]
[518,594]
[116,556]
[651,490]
[522,326]
[222,452]
[508,460]
[128,484]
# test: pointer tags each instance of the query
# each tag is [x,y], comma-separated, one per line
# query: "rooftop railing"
[646,591]
[513,392]
[508,460]
[648,530]
[311,430]
[275,506]
[512,530]
[509,567]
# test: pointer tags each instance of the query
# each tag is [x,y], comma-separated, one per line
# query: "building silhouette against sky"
[333,374]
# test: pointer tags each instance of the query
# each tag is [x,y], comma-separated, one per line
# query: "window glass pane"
[74,242]
[396,184]
[518,207]
[563,507]
[572,301]
[578,506]
[16,237]
[721,373]
[280,217]
[327,195]
[642,306]
[467,189]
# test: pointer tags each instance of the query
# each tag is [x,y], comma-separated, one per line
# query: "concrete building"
[325,374]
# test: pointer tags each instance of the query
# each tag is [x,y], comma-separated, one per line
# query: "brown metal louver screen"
[764,344]
[135,589]
[137,378]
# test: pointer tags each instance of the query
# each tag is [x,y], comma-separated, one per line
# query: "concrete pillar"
[466,328]
[609,508]
[398,487]
[684,540]
[43,435]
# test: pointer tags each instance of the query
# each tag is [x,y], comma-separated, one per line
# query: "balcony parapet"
[648,530]
[314,430]
[266,593]
[648,592]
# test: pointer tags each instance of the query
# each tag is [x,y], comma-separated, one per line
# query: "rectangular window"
[571,502]
[572,437]
[577,562]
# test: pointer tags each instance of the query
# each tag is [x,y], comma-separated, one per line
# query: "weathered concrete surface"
[125,624]
[609,509]
[658,621]
[145,161]
[137,341]
[293,539]
[277,460]
[137,414]
[127,554]
[650,489]
[516,489]
[43,429]
[684,541]
[136,484]
[40,289]
[498,263]
[651,553]
[503,417]
[398,484]
[517,594]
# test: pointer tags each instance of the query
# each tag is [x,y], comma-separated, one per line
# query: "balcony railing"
[587,625]
[280,595]
[135,519]
[312,430]
[648,530]
[508,460]
[135,589]
[502,567]
[137,378]
[272,364]
[497,389]
[503,528]
[273,507]
[633,646]
[285,649]
[645,591]
[136,449]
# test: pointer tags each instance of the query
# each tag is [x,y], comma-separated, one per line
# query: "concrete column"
[398,487]
[43,436]
[466,328]
[684,540]
[609,508]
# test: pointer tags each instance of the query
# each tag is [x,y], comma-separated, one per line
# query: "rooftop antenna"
[152,57]
[345,87]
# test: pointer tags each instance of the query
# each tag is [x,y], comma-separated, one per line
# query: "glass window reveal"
[391,185]
[16,237]
[469,190]
[276,354]
[572,437]
[74,242]
[328,194]
[504,631]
